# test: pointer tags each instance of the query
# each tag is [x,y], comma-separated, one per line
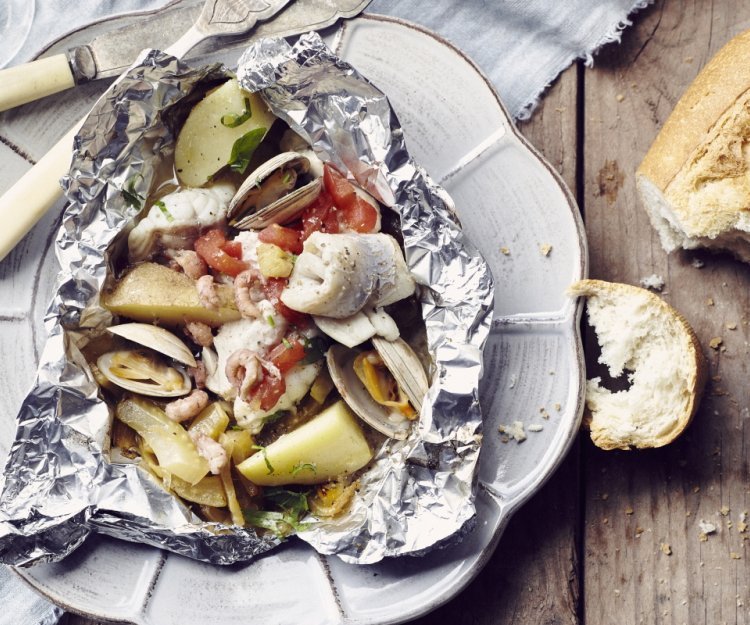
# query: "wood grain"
[644,559]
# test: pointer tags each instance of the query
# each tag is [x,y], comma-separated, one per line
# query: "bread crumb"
[536,427]
[653,282]
[696,489]
[715,342]
[505,251]
[619,97]
[697,263]
[710,301]
[558,407]
[731,326]
[605,520]
[545,249]
[639,531]
[706,527]
[629,511]
[734,555]
[724,510]
[742,527]
[688,59]
[666,549]
[514,430]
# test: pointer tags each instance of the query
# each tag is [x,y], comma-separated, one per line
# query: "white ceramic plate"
[507,197]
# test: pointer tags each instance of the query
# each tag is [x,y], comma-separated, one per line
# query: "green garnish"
[232,121]
[275,416]
[262,450]
[165,211]
[302,466]
[286,178]
[315,349]
[130,195]
[271,321]
[286,343]
[293,505]
[244,148]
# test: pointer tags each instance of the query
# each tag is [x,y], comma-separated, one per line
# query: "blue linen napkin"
[521,45]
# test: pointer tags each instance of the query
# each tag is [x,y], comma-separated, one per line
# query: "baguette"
[694,182]
[643,336]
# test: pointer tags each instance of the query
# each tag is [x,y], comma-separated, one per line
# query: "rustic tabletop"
[616,537]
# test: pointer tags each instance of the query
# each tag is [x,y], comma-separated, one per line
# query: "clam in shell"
[144,373]
[271,195]
[156,338]
[392,418]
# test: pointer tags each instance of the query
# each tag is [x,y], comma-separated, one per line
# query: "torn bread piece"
[643,336]
[694,181]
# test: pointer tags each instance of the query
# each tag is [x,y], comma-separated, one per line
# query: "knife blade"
[110,53]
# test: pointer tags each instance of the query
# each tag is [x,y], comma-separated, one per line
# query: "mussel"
[272,194]
[385,387]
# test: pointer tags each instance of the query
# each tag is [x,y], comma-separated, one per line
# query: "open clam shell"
[144,373]
[388,421]
[156,338]
[271,193]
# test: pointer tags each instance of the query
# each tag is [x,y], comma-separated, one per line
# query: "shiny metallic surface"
[59,484]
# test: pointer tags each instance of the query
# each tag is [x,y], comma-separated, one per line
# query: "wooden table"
[614,537]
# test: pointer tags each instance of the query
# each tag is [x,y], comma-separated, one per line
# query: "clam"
[144,373]
[271,193]
[385,387]
[156,338]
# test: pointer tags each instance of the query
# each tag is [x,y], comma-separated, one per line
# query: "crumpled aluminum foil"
[59,484]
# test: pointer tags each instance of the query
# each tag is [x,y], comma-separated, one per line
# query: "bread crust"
[695,383]
[716,88]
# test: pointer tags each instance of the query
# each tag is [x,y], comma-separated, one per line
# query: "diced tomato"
[354,212]
[286,238]
[287,354]
[233,248]
[209,248]
[314,216]
[273,288]
[269,391]
[360,216]
[341,190]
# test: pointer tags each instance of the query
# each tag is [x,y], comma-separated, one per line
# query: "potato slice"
[329,445]
[151,292]
[212,421]
[205,143]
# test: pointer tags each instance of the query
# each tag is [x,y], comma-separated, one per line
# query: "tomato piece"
[269,391]
[233,248]
[341,190]
[273,288]
[286,238]
[360,216]
[287,354]
[209,248]
[314,215]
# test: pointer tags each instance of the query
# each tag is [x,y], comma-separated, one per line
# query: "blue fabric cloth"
[521,45]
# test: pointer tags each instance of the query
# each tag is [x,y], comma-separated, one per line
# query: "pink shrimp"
[200,333]
[243,371]
[187,407]
[199,374]
[207,294]
[211,451]
[189,261]
[247,293]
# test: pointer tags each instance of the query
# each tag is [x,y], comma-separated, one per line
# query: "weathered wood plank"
[643,559]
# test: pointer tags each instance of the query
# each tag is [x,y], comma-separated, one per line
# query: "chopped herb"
[279,523]
[244,148]
[232,121]
[262,450]
[130,195]
[315,349]
[286,343]
[235,428]
[304,466]
[286,178]
[293,505]
[288,500]
[271,321]
[275,416]
[163,208]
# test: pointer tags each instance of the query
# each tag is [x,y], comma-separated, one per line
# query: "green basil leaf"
[244,148]
[163,208]
[130,195]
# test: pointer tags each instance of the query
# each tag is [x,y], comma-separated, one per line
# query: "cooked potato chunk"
[221,129]
[274,262]
[151,292]
[330,445]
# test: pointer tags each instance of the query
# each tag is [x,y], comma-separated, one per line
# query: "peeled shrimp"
[189,261]
[207,294]
[243,371]
[211,451]
[247,293]
[187,407]
[200,333]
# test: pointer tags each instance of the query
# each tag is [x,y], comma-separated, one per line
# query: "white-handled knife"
[111,53]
